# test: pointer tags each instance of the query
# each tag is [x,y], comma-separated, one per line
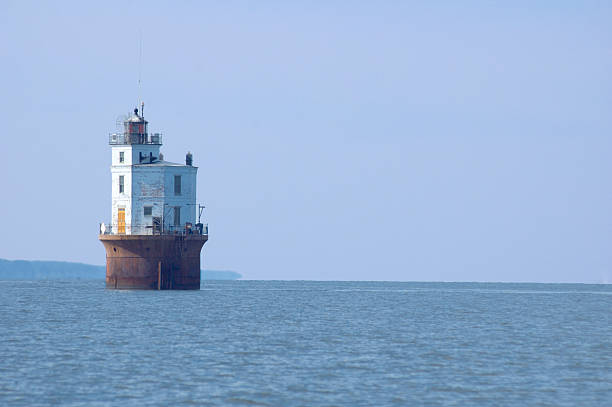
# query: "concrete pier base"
[166,262]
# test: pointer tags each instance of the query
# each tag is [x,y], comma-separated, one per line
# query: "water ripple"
[283,343]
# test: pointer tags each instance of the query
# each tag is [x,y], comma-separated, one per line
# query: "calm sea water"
[306,344]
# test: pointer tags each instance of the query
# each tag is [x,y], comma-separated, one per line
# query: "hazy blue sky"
[433,140]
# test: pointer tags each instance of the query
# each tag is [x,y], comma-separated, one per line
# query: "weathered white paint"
[132,153]
[150,184]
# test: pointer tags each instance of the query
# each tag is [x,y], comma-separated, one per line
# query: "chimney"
[189,159]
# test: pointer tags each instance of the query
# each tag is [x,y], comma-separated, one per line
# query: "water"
[306,344]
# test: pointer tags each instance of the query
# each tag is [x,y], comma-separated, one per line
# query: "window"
[177,185]
[121,156]
[121,185]
[148,210]
[177,216]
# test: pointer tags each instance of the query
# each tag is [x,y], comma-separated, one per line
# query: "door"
[121,221]
[177,216]
[156,225]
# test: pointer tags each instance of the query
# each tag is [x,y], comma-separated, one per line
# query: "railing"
[119,139]
[186,229]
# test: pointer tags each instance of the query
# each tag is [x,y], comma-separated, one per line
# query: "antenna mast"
[139,68]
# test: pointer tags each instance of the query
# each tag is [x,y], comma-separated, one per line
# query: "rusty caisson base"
[165,262]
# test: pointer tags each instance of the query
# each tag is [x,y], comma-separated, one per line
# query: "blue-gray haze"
[346,140]
[274,343]
[60,270]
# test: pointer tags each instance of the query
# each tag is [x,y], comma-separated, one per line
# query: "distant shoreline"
[53,270]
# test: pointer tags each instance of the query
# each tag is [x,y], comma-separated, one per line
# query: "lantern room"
[135,129]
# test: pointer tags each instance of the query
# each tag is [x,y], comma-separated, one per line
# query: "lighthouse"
[153,239]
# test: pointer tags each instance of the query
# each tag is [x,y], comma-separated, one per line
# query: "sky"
[336,140]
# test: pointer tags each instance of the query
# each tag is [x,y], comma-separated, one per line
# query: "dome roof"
[135,118]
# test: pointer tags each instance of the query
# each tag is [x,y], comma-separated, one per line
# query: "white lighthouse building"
[149,195]
[152,240]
